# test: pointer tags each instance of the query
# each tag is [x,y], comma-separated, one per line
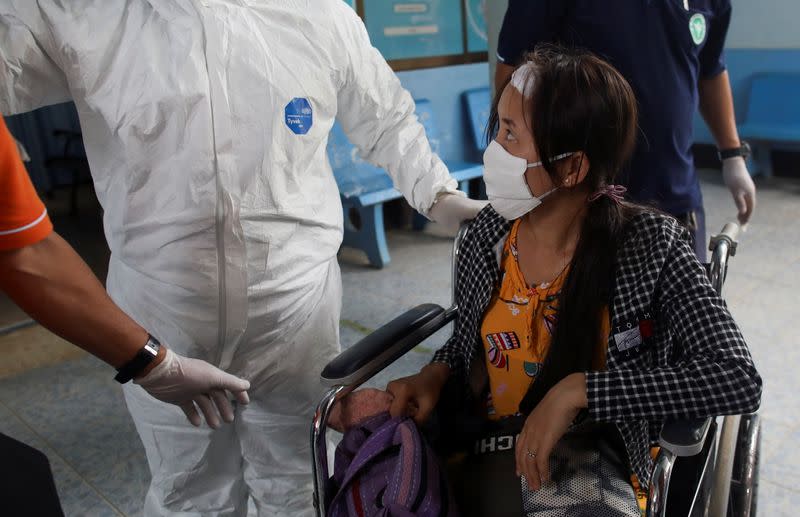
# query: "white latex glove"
[192,383]
[452,209]
[739,182]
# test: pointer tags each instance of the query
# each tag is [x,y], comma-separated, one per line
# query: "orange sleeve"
[23,217]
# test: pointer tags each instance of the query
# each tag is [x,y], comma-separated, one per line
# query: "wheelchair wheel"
[744,482]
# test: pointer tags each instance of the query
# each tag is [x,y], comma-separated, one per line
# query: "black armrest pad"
[685,437]
[379,349]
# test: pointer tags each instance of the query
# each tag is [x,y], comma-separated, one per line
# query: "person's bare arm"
[49,281]
[716,107]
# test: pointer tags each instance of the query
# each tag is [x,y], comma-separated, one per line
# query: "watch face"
[152,346]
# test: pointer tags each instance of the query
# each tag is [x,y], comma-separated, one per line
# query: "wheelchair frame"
[719,450]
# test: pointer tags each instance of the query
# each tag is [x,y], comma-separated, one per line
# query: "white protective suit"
[221,210]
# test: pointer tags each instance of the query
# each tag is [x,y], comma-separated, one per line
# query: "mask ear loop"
[541,163]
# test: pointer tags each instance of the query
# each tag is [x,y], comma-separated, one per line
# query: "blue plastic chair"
[773,117]
[479,104]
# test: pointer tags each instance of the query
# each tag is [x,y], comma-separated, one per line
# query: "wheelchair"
[704,467]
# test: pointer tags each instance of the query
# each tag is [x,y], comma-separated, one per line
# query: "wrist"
[129,344]
[436,372]
[144,360]
[734,150]
[575,387]
[729,143]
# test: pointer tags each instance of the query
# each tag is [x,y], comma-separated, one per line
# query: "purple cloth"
[384,468]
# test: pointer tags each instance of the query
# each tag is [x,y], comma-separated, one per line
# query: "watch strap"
[742,151]
[143,357]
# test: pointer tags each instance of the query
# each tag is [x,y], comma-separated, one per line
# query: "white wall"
[765,24]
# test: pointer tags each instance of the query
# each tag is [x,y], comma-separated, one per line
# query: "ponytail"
[586,293]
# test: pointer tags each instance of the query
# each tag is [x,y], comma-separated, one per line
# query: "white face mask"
[506,188]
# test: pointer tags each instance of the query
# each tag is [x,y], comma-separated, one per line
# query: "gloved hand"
[452,209]
[191,383]
[739,182]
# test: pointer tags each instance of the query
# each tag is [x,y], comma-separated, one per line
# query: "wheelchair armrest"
[685,437]
[381,348]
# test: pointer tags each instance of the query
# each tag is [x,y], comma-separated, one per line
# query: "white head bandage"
[524,79]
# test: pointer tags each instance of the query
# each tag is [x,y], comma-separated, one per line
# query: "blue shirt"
[663,49]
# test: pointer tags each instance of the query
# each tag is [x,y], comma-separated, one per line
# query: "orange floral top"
[516,332]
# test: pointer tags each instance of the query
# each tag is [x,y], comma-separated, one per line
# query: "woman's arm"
[711,371]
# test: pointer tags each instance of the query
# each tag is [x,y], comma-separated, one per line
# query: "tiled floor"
[74,411]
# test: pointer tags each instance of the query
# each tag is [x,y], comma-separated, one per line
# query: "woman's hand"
[355,407]
[545,426]
[417,395]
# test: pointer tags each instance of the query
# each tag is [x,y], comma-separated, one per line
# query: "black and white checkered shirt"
[693,364]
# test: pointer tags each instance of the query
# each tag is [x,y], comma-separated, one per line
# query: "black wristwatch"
[743,150]
[139,362]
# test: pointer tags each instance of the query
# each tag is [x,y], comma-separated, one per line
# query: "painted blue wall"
[443,87]
[742,65]
[763,37]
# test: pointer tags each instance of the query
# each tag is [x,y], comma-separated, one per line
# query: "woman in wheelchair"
[579,314]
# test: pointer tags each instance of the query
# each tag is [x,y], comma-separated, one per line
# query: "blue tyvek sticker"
[299,115]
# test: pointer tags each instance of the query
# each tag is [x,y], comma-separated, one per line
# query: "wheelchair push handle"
[731,230]
[722,246]
[729,236]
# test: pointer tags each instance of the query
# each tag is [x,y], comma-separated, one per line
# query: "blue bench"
[773,117]
[364,188]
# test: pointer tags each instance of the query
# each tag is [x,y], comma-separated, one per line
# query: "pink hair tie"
[615,192]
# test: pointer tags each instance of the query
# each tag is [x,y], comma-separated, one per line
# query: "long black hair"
[578,102]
